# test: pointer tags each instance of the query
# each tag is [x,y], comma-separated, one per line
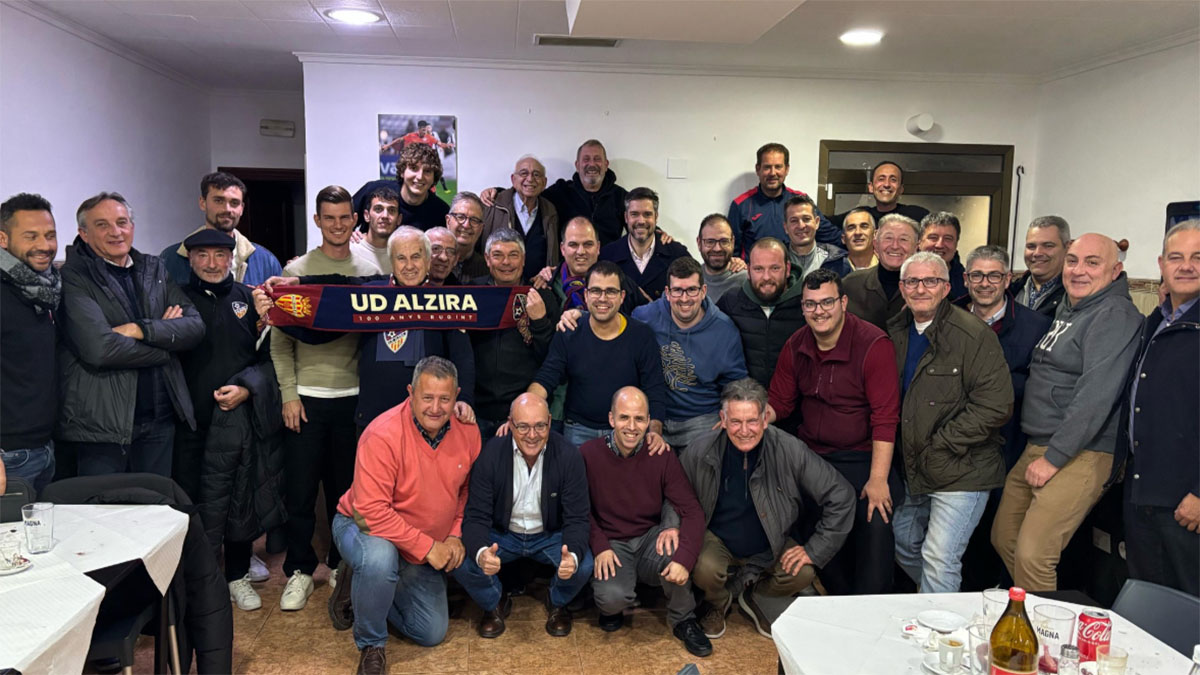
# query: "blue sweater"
[594,369]
[697,362]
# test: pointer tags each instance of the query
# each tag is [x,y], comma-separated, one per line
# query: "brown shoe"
[492,623]
[372,661]
[558,621]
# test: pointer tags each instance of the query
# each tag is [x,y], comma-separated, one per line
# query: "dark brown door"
[274,215]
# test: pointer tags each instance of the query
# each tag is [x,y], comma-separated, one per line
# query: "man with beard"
[805,253]
[580,250]
[465,222]
[642,254]
[522,208]
[886,185]
[443,257]
[722,271]
[1041,288]
[223,200]
[30,289]
[381,213]
[767,308]
[874,293]
[858,235]
[940,233]
[758,212]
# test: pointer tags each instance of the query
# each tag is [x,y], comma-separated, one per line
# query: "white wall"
[235,139]
[714,122]
[1116,144]
[77,119]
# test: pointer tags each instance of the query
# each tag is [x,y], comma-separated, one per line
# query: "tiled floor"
[270,641]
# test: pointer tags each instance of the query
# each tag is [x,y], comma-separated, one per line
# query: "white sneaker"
[333,578]
[295,594]
[243,595]
[258,569]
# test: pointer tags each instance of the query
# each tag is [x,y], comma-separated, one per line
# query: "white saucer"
[5,571]
[941,620]
[930,665]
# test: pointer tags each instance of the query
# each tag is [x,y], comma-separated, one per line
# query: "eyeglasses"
[889,240]
[811,306]
[992,277]
[524,429]
[691,292]
[441,251]
[461,218]
[723,242]
[597,293]
[929,283]
[537,175]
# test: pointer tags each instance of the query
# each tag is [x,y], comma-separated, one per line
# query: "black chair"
[18,493]
[117,637]
[1168,614]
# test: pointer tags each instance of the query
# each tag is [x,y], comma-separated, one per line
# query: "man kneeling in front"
[399,525]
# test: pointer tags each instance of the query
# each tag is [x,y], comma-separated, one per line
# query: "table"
[860,635]
[49,610]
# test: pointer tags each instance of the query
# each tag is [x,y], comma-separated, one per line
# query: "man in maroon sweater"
[627,486]
[841,373]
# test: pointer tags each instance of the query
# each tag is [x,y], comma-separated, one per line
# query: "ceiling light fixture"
[861,37]
[355,17]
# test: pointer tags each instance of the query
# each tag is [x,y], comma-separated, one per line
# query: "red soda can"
[1095,629]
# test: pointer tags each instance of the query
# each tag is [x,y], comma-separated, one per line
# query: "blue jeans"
[35,465]
[932,531]
[678,433]
[150,450]
[577,434]
[386,587]
[544,547]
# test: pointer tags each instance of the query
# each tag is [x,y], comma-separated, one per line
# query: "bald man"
[1070,415]
[523,208]
[528,499]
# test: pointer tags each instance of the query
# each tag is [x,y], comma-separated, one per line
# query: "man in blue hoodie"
[701,352]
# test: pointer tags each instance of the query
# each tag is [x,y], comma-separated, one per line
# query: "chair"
[1168,614]
[116,638]
[18,493]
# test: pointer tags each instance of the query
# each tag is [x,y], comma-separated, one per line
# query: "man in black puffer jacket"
[230,465]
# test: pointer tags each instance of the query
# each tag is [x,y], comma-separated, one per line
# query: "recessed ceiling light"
[357,17]
[862,37]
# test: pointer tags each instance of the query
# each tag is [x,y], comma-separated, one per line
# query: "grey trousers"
[640,562]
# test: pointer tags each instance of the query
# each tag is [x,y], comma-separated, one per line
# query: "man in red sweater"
[840,371]
[627,486]
[399,526]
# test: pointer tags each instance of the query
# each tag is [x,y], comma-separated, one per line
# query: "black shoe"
[372,661]
[611,622]
[692,636]
[341,612]
[492,623]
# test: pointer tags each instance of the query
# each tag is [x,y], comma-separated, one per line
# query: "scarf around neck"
[42,290]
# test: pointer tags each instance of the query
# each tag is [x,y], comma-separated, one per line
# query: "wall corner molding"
[1162,44]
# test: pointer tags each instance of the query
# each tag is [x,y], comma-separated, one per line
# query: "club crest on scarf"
[296,305]
[239,309]
[395,339]
[521,316]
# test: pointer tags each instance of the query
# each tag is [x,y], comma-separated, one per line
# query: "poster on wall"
[438,131]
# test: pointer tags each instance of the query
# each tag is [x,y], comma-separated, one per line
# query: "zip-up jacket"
[605,207]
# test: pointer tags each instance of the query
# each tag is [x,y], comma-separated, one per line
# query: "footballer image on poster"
[438,131]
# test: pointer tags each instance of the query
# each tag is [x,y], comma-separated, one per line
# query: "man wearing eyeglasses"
[598,357]
[722,270]
[522,208]
[840,373]
[700,348]
[1019,328]
[443,256]
[957,394]
[465,222]
[528,499]
[506,360]
[580,250]
[874,293]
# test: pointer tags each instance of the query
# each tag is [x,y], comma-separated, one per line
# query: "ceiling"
[250,44]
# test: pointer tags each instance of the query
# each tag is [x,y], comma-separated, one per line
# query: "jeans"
[577,434]
[640,562]
[149,451]
[932,531]
[544,547]
[678,433]
[35,465]
[388,588]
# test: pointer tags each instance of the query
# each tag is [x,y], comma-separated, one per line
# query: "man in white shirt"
[528,499]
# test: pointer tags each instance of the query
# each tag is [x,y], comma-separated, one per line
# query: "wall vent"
[568,41]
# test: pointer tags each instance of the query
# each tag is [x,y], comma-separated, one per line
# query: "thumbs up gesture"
[488,561]
[566,566]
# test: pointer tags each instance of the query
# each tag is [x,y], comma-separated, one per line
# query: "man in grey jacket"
[751,479]
[1069,414]
[123,325]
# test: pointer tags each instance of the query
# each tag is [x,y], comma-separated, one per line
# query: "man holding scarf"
[30,289]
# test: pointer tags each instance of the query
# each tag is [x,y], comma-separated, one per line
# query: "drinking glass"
[39,526]
[1111,660]
[979,637]
[995,601]
[1055,626]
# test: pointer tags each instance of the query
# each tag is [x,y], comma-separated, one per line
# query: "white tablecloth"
[48,612]
[860,635]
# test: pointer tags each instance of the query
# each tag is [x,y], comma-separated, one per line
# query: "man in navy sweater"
[643,255]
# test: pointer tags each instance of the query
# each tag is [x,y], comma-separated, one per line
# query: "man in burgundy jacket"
[840,371]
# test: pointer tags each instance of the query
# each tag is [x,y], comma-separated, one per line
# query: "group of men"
[812,398]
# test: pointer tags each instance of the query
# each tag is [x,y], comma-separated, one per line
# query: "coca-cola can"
[1095,629]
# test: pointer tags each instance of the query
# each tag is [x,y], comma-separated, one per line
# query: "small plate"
[5,571]
[931,665]
[941,620]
